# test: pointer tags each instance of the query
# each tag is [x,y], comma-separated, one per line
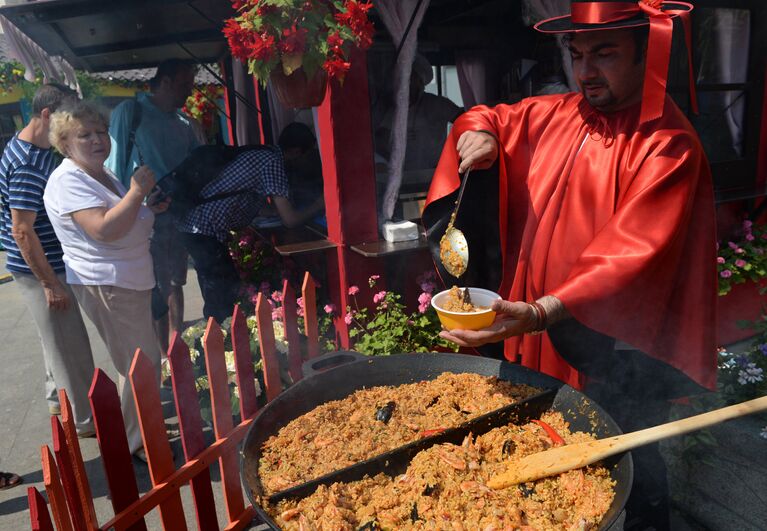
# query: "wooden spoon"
[564,458]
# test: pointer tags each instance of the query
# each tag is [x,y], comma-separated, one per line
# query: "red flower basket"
[297,90]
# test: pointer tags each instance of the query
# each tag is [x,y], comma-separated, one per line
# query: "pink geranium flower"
[378,297]
[277,296]
[740,263]
[330,309]
[726,273]
[353,290]
[348,318]
[719,260]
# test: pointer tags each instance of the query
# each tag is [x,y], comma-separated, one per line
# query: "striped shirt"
[24,172]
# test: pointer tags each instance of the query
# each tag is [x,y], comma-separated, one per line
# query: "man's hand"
[512,319]
[477,150]
[56,296]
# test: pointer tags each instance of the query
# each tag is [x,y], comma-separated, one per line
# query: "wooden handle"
[572,456]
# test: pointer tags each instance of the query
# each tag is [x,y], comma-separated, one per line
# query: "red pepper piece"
[429,433]
[551,432]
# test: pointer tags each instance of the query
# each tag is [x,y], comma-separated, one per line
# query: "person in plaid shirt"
[205,229]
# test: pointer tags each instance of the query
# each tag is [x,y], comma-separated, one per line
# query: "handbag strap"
[135,123]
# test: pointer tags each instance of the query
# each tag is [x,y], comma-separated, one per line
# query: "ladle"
[453,247]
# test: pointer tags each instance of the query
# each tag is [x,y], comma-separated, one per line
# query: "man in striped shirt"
[34,258]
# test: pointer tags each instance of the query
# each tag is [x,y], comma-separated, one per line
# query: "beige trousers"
[123,318]
[66,349]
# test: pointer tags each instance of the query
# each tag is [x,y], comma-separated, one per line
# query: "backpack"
[203,165]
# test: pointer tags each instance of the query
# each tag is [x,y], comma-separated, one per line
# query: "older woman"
[104,231]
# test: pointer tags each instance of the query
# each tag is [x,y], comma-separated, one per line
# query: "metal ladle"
[453,247]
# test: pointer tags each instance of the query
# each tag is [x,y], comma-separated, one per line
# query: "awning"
[20,47]
[99,35]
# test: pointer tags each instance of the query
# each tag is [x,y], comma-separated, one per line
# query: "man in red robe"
[603,231]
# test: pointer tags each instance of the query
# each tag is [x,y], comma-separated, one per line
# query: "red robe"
[622,231]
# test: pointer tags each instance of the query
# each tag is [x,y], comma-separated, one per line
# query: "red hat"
[594,15]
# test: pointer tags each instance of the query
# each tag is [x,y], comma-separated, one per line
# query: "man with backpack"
[208,210]
[150,130]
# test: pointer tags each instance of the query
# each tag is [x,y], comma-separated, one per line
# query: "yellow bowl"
[467,320]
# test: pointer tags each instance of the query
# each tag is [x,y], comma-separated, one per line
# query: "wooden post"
[190,426]
[67,475]
[268,349]
[309,293]
[55,491]
[113,444]
[290,323]
[146,393]
[243,364]
[215,362]
[76,459]
[348,170]
[39,518]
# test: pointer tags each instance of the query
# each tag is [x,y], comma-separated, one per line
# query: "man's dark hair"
[296,135]
[170,68]
[50,96]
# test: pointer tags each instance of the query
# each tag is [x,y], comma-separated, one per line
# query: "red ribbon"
[602,12]
[658,57]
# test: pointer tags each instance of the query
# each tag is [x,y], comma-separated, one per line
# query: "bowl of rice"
[457,313]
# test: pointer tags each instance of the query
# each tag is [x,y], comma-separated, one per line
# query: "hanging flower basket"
[275,38]
[298,90]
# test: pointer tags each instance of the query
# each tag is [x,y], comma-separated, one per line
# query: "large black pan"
[322,384]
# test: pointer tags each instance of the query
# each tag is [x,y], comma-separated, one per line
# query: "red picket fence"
[66,483]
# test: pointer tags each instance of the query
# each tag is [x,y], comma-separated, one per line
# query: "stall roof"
[99,35]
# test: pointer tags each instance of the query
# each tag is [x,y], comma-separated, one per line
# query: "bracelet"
[536,326]
[542,321]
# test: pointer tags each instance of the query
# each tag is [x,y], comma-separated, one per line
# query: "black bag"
[203,165]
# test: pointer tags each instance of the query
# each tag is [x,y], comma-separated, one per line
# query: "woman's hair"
[68,117]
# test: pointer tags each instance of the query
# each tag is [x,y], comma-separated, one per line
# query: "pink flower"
[719,260]
[732,245]
[726,273]
[300,302]
[739,251]
[372,280]
[423,308]
[348,318]
[330,309]
[277,314]
[353,290]
[740,263]
[750,237]
[424,298]
[277,296]
[747,224]
[378,297]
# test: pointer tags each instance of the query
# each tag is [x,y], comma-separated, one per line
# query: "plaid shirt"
[258,173]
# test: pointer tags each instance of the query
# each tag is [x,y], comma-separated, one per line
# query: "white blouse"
[124,262]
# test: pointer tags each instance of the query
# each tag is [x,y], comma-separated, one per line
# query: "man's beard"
[604,101]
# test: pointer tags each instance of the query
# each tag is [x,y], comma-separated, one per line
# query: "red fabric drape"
[622,231]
